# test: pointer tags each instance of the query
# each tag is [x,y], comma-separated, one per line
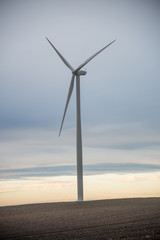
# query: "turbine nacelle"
[79,73]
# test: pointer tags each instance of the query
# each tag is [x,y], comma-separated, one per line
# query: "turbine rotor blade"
[90,58]
[67,102]
[60,55]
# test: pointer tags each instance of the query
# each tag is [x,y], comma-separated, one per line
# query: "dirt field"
[104,219]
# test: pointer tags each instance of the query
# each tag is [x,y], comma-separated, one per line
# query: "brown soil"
[104,219]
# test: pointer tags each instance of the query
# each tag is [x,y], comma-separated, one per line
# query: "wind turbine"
[77,72]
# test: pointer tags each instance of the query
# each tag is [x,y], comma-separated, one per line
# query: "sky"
[120,99]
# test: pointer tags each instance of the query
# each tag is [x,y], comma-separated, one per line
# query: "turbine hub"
[81,73]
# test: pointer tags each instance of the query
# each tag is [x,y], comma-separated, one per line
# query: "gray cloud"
[116,143]
[121,86]
[120,168]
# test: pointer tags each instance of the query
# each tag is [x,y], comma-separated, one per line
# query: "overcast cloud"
[120,93]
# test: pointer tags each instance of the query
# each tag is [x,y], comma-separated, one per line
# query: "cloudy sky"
[120,97]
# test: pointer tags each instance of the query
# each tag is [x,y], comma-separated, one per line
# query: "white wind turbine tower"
[77,72]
